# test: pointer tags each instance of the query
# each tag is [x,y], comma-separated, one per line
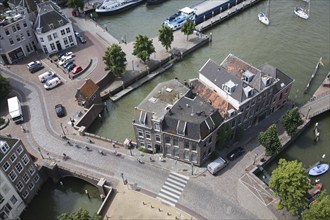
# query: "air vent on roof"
[169,90]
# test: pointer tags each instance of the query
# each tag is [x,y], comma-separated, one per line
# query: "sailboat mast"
[309,5]
[268,9]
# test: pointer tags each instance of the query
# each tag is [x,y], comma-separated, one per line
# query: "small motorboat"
[318,169]
[315,190]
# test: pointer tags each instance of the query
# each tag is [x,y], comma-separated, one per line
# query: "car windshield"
[48,83]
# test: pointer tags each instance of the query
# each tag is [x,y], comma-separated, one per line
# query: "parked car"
[217,165]
[34,66]
[76,69]
[65,65]
[65,59]
[46,76]
[52,83]
[70,67]
[80,37]
[60,111]
[232,155]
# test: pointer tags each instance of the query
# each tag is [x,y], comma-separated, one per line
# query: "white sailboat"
[300,12]
[264,17]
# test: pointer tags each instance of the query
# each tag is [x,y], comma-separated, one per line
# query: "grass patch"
[144,150]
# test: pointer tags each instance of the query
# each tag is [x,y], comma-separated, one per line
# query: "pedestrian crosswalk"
[173,187]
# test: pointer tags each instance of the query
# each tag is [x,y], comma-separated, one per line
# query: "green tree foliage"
[115,60]
[143,47]
[269,139]
[80,214]
[4,88]
[239,133]
[166,37]
[224,134]
[76,4]
[188,27]
[290,182]
[320,208]
[291,120]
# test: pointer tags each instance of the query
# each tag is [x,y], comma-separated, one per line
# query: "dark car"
[70,67]
[232,155]
[80,37]
[59,109]
[34,66]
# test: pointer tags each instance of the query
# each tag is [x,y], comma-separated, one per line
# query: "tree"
[4,87]
[143,47]
[166,37]
[80,214]
[320,208]
[224,134]
[290,182]
[76,4]
[115,60]
[291,120]
[269,139]
[188,27]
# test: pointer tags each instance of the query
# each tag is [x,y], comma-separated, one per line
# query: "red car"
[76,70]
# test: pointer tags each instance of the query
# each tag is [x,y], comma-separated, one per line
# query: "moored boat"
[318,169]
[115,6]
[200,12]
[155,2]
[263,18]
[300,12]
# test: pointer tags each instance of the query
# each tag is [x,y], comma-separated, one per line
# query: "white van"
[216,165]
[52,83]
[46,76]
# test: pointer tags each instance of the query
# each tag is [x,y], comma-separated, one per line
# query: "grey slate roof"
[233,69]
[193,115]
[163,95]
[49,17]
[278,74]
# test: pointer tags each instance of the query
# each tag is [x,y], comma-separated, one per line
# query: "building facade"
[17,165]
[11,204]
[53,29]
[17,39]
[242,93]
[173,121]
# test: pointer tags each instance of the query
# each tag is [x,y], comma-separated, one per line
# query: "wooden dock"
[313,74]
[217,19]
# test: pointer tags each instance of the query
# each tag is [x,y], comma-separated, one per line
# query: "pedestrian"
[23,129]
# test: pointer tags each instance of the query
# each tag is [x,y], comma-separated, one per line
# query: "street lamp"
[192,168]
[40,153]
[122,176]
[62,128]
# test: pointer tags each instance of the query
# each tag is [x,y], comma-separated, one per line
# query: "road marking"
[172,189]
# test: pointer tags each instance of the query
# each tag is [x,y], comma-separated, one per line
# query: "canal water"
[291,44]
[55,199]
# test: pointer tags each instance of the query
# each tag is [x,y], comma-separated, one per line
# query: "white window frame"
[11,177]
[19,167]
[19,186]
[13,156]
[5,148]
[25,159]
[7,165]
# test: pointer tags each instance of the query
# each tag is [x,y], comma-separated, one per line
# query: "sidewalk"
[140,206]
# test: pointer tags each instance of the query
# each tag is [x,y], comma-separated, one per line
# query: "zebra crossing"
[173,187]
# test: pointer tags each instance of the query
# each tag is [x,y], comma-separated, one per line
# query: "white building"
[53,29]
[17,39]
[11,204]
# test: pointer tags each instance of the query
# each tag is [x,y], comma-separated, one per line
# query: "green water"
[291,44]
[54,199]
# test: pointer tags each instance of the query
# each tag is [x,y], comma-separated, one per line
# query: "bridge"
[316,106]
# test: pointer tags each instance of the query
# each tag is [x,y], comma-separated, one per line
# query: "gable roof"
[210,96]
[49,17]
[88,89]
[192,118]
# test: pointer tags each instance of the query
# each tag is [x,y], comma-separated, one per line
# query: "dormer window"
[248,91]
[267,80]
[143,117]
[229,86]
[51,26]
[60,22]
[210,123]
[181,128]
[231,112]
[247,76]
